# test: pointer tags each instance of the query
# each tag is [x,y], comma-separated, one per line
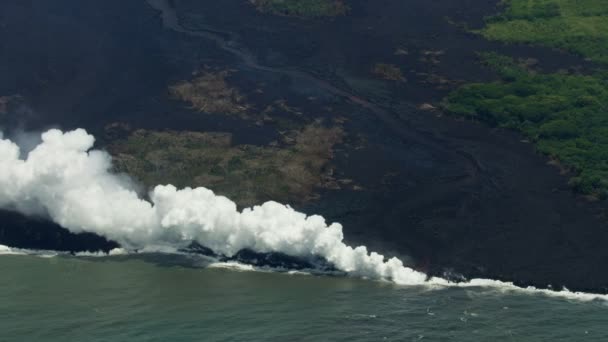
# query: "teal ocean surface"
[181,298]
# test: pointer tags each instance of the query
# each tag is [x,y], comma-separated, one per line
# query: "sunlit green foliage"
[566,115]
[580,26]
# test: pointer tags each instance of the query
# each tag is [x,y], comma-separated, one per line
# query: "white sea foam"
[6,250]
[508,287]
[71,184]
[112,252]
[232,265]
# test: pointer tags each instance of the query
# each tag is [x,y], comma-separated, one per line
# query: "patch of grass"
[565,115]
[580,26]
[388,72]
[209,92]
[245,173]
[302,8]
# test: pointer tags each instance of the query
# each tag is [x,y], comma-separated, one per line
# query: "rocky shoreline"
[455,198]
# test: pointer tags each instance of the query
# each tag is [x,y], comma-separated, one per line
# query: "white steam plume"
[64,179]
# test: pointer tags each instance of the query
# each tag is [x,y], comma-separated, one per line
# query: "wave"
[6,250]
[63,179]
[494,286]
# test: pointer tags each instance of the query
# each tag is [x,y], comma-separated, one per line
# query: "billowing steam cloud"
[64,179]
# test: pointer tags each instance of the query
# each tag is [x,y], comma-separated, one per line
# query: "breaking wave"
[63,179]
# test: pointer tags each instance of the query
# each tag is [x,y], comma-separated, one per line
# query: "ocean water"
[181,298]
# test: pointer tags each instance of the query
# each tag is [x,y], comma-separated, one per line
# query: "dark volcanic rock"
[447,196]
[17,230]
[279,261]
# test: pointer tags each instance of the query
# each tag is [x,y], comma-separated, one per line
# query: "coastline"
[469,200]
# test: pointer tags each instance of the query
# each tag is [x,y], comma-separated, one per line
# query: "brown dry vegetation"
[6,101]
[388,72]
[288,172]
[302,8]
[209,92]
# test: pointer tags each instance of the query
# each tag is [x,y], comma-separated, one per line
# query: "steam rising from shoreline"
[63,179]
[66,181]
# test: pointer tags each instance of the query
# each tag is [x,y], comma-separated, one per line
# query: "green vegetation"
[245,173]
[565,115]
[302,8]
[580,26]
